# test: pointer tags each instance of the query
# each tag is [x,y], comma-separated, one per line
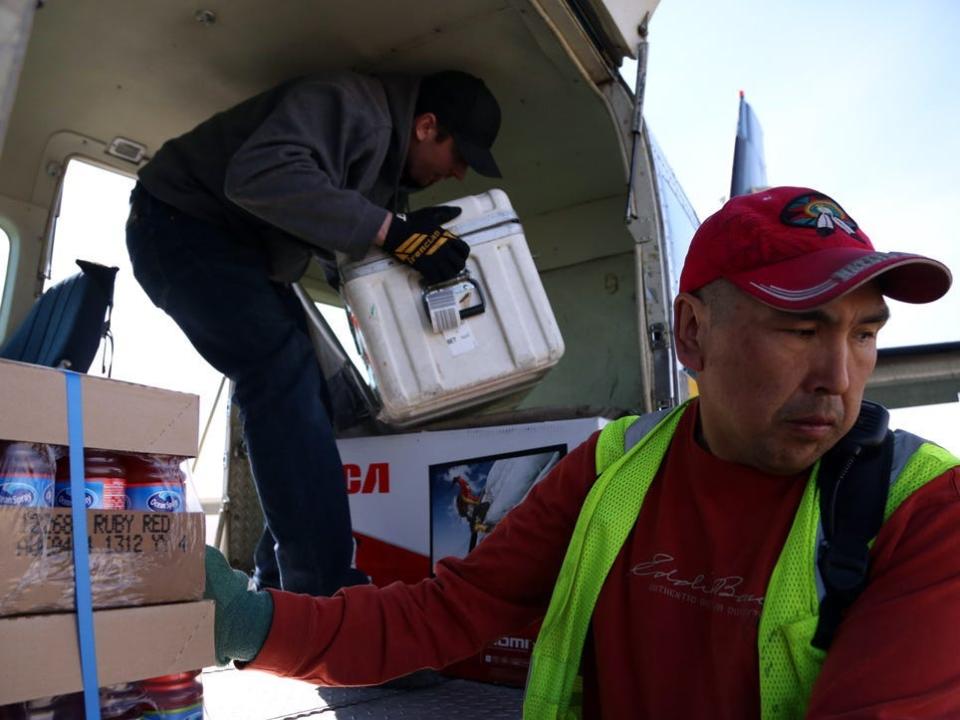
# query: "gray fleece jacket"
[310,165]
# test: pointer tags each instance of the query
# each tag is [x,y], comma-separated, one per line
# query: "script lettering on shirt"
[661,567]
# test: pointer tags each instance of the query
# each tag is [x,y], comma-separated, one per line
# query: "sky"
[856,99]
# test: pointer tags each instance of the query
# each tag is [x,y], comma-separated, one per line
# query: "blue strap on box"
[81,552]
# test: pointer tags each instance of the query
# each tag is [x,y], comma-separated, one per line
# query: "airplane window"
[149,348]
[336,318]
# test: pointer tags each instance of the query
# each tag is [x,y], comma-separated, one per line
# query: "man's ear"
[689,325]
[424,125]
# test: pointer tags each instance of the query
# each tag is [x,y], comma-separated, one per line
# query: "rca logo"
[376,479]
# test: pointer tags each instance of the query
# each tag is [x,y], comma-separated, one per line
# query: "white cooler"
[488,333]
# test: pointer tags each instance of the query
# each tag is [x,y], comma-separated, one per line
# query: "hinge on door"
[658,335]
[662,393]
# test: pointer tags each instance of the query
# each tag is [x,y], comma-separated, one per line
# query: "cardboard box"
[39,655]
[136,558]
[116,415]
[416,498]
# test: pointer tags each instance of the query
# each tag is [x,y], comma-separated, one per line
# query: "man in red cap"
[679,561]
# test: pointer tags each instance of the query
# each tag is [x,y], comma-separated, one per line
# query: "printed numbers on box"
[30,545]
[61,523]
[124,543]
[57,544]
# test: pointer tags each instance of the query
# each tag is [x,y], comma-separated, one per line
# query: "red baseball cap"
[794,248]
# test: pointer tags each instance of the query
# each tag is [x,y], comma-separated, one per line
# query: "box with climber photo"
[416,498]
[468,498]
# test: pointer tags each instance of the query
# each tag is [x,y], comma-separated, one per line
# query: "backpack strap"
[853,483]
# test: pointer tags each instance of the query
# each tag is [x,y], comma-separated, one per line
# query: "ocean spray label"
[99,494]
[26,491]
[155,497]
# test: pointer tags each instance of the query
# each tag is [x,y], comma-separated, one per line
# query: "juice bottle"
[122,702]
[174,697]
[155,483]
[39,709]
[16,711]
[104,481]
[68,707]
[26,474]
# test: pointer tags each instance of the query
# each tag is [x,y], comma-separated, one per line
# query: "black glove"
[417,239]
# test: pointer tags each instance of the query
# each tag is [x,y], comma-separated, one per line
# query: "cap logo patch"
[819,213]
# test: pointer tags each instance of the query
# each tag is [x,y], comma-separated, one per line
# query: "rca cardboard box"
[416,498]
[39,655]
[135,557]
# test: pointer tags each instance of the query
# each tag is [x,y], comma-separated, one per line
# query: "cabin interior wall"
[154,71]
[24,224]
[595,306]
[585,257]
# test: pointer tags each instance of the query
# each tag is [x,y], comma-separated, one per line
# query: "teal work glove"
[242,617]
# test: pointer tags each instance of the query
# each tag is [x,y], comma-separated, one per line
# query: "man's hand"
[242,617]
[418,239]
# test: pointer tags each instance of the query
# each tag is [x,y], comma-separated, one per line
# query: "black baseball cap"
[466,108]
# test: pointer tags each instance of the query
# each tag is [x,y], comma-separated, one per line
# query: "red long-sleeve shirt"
[674,632]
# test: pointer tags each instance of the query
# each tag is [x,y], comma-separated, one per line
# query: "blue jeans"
[254,331]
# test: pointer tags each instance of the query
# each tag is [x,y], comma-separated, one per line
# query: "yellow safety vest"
[789,664]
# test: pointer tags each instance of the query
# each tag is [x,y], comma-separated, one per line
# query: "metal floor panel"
[250,695]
